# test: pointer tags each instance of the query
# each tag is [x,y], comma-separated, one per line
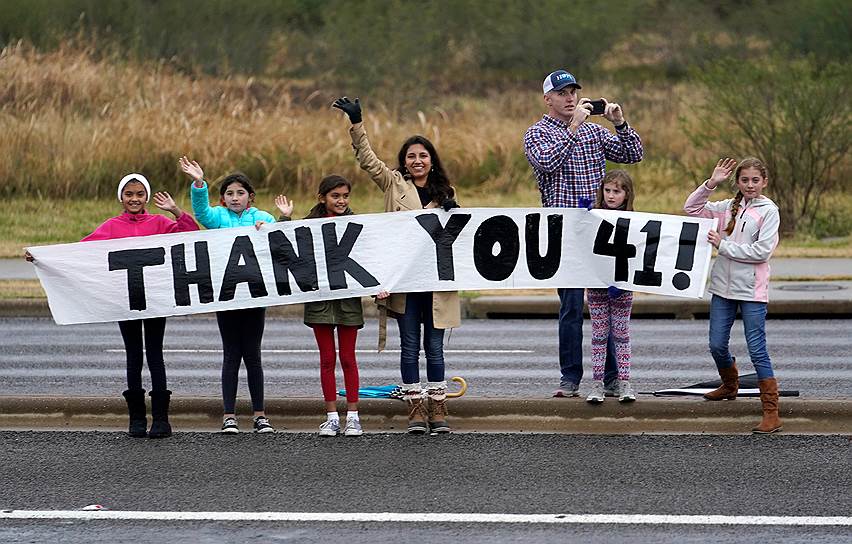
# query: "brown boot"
[416,412]
[730,384]
[438,410]
[769,399]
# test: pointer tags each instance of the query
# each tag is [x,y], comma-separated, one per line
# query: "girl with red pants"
[345,315]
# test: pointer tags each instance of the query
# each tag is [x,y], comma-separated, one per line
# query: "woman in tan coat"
[418,182]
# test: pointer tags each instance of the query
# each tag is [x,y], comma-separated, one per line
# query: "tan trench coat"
[401,195]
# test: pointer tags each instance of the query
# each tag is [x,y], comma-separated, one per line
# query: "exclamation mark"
[685,255]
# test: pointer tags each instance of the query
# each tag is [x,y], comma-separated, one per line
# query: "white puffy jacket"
[741,269]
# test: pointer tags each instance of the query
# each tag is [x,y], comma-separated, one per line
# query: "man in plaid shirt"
[568,156]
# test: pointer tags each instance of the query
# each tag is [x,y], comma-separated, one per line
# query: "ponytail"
[327,184]
[317,211]
[735,209]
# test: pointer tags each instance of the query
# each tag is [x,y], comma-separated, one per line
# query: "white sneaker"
[229,426]
[330,427]
[626,393]
[597,395]
[262,425]
[353,427]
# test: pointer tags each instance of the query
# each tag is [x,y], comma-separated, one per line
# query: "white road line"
[393,517]
[317,351]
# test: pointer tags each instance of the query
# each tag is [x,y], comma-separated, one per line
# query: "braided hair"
[749,162]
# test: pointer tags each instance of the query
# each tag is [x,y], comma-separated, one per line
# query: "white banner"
[357,255]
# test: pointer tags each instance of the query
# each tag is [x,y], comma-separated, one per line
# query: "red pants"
[328,356]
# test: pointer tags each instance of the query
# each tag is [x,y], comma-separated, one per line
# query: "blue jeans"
[571,340]
[418,311]
[723,311]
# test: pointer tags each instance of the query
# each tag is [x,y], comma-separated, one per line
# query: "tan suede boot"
[438,410]
[416,412]
[730,384]
[769,399]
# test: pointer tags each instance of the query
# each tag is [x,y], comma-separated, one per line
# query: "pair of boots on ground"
[426,412]
[160,427]
[768,397]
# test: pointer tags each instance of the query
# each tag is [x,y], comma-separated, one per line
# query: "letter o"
[502,230]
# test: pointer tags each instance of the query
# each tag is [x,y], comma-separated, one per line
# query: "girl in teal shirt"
[241,330]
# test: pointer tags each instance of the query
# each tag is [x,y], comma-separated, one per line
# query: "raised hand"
[613,112]
[192,169]
[581,112]
[284,206]
[165,202]
[724,169]
[351,109]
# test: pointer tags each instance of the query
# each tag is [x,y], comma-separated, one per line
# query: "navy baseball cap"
[559,80]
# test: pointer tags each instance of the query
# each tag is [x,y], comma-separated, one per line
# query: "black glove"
[352,109]
[449,204]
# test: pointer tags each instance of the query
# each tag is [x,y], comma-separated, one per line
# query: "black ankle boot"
[160,427]
[136,408]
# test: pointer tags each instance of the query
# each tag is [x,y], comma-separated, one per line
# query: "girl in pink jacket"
[134,192]
[746,237]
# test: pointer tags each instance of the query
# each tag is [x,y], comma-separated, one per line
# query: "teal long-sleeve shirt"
[220,217]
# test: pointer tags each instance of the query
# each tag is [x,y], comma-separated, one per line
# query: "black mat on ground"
[748,388]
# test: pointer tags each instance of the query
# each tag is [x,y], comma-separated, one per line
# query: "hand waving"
[351,109]
[191,168]
[724,169]
[284,206]
[165,202]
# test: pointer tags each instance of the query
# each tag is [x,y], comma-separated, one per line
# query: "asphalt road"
[498,358]
[470,473]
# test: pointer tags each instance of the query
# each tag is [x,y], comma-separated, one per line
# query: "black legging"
[242,331]
[131,332]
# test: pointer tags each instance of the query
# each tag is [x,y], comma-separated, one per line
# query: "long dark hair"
[437,183]
[328,184]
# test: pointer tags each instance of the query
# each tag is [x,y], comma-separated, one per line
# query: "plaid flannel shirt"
[571,166]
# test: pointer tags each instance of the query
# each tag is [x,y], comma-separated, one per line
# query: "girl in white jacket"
[746,237]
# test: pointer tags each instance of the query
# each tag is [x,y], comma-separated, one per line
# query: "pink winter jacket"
[141,224]
[741,270]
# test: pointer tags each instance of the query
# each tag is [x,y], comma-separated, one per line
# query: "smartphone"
[597,107]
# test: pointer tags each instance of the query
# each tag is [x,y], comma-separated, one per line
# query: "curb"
[528,307]
[547,307]
[647,415]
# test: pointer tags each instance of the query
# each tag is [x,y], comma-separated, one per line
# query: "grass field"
[74,122]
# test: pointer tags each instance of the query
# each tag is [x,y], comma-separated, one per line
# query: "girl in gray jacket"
[746,237]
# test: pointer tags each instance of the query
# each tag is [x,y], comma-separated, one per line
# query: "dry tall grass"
[74,123]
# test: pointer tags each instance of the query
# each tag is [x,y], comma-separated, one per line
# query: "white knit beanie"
[135,177]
